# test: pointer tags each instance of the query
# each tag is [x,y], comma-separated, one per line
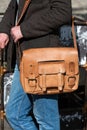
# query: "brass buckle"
[32,82]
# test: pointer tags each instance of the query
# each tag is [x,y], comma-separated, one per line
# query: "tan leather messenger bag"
[50,70]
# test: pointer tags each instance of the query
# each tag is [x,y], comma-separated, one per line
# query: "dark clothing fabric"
[39,25]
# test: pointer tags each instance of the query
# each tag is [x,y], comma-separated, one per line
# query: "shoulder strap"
[73,33]
[27,2]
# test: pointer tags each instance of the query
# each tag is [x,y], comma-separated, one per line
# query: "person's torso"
[37,6]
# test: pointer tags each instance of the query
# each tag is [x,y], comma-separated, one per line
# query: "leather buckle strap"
[60,77]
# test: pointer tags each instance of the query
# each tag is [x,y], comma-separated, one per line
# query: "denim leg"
[18,107]
[46,112]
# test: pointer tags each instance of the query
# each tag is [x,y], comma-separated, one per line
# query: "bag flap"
[32,57]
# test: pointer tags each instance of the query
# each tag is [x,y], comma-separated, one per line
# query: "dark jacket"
[39,25]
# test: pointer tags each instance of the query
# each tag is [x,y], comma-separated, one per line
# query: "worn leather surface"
[49,70]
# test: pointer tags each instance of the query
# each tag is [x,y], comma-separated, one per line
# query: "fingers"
[3,44]
[4,39]
[16,33]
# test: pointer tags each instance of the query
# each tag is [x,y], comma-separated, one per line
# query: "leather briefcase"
[50,70]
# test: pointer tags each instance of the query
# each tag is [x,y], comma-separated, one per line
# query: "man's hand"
[16,33]
[4,39]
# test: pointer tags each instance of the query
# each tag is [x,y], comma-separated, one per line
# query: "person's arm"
[5,24]
[59,13]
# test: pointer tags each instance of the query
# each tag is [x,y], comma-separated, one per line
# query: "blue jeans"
[22,108]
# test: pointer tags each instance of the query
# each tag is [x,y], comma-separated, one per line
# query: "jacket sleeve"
[44,22]
[5,23]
